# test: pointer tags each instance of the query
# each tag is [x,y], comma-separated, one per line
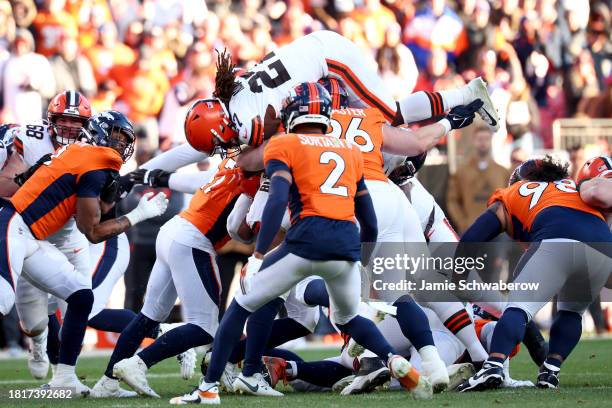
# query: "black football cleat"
[489,377]
[547,378]
[372,373]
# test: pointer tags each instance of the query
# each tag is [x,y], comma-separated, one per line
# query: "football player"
[323,239]
[246,108]
[537,207]
[595,184]
[71,184]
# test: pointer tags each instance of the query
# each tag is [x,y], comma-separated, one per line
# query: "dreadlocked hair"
[224,79]
[548,169]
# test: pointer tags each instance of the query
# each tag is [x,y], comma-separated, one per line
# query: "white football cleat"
[134,372]
[372,373]
[354,349]
[512,383]
[38,362]
[255,385]
[109,388]
[68,382]
[409,378]
[187,361]
[434,368]
[229,376]
[342,383]
[488,113]
[458,373]
[204,394]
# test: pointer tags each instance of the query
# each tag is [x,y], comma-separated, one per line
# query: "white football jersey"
[33,142]
[270,82]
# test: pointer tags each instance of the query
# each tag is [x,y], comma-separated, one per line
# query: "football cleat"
[67,382]
[38,362]
[275,370]
[435,370]
[109,388]
[134,372]
[354,349]
[255,385]
[512,383]
[548,377]
[204,394]
[409,378]
[231,372]
[458,373]
[490,376]
[488,113]
[187,361]
[372,373]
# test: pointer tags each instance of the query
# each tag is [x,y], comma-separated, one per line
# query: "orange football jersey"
[49,28]
[48,199]
[211,204]
[325,174]
[524,200]
[364,128]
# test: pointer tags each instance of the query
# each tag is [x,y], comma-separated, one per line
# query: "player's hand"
[149,206]
[249,185]
[111,188]
[21,178]
[463,115]
[124,188]
[151,178]
[246,273]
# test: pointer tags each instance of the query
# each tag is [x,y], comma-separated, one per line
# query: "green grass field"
[586,382]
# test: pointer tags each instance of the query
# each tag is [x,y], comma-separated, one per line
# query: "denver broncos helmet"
[600,166]
[308,103]
[67,105]
[337,92]
[111,129]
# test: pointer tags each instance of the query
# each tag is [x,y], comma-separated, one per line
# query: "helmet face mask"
[67,129]
[111,129]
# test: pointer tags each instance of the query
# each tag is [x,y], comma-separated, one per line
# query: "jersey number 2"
[329,185]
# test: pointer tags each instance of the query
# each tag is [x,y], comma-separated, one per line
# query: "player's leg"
[49,270]
[541,263]
[279,272]
[343,281]
[590,276]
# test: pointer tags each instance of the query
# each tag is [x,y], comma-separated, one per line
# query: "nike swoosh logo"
[77,250]
[249,386]
[491,118]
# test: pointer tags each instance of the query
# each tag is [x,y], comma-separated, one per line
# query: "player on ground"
[71,184]
[246,109]
[572,263]
[324,176]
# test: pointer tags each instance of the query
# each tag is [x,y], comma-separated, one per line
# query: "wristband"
[447,125]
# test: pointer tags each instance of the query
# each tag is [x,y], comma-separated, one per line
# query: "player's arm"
[597,192]
[94,184]
[236,225]
[272,217]
[175,158]
[488,225]
[14,165]
[187,183]
[252,159]
[365,214]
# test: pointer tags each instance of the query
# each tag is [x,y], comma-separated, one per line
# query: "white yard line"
[32,381]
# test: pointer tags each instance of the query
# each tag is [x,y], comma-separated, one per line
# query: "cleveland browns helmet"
[600,166]
[308,103]
[71,105]
[111,129]
[336,90]
[208,126]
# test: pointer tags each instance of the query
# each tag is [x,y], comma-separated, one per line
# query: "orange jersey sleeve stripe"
[351,80]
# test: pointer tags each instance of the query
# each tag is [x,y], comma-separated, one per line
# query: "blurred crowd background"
[542,59]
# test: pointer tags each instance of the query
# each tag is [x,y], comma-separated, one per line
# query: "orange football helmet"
[73,107]
[208,126]
[600,166]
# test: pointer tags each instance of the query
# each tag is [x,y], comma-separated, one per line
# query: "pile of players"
[310,172]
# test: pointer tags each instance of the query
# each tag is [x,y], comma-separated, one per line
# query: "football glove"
[149,206]
[151,178]
[248,270]
[21,178]
[110,189]
[463,115]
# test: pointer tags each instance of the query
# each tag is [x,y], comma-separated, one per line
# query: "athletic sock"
[53,339]
[175,342]
[227,336]
[421,105]
[316,294]
[509,331]
[321,373]
[535,343]
[413,323]
[75,323]
[457,320]
[565,333]
[112,320]
[365,333]
[259,327]
[130,340]
[283,330]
